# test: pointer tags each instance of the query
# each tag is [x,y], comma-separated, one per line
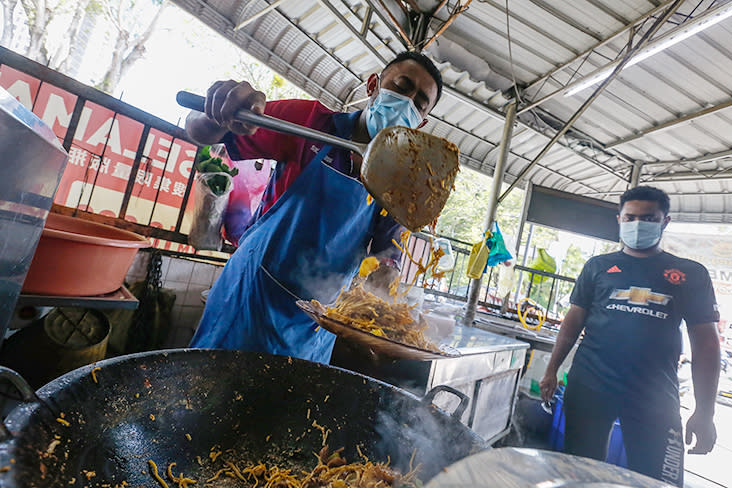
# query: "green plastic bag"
[543,262]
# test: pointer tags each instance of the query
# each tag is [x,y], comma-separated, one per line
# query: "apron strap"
[321,154]
[277,282]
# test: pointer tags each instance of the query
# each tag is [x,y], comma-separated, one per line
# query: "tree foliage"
[464,214]
[132,30]
[240,66]
[30,25]
[27,25]
[463,219]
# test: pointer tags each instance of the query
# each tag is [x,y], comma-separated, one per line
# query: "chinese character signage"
[103,153]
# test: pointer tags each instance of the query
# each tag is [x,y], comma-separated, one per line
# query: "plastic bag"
[208,212]
[499,253]
[478,260]
[506,280]
[246,194]
[542,262]
[490,252]
[447,262]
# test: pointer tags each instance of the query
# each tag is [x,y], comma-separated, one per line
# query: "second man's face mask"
[640,235]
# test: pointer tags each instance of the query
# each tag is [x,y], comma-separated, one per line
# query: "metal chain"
[154,271]
[140,332]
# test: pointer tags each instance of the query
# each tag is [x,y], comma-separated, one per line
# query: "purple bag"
[246,194]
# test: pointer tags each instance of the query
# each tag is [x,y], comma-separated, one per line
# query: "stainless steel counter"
[541,343]
[542,339]
[488,373]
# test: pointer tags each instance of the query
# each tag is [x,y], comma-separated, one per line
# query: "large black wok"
[258,405]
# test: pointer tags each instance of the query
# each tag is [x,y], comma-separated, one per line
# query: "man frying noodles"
[314,225]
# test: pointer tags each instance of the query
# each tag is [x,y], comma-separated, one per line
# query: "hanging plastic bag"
[246,194]
[208,212]
[490,252]
[506,280]
[447,261]
[211,190]
[499,253]
[478,259]
[542,262]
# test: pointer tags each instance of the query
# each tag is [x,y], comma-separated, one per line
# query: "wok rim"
[84,370]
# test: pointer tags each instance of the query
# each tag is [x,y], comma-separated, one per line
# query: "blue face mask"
[640,234]
[389,109]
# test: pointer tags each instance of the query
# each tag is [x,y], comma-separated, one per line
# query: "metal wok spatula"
[410,173]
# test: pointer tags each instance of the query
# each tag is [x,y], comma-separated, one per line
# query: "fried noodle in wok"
[331,471]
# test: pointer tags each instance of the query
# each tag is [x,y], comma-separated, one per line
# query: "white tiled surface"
[193,294]
[203,274]
[179,270]
[187,279]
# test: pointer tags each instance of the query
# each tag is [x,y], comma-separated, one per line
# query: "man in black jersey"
[630,305]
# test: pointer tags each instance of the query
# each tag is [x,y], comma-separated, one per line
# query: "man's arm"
[570,330]
[705,356]
[223,99]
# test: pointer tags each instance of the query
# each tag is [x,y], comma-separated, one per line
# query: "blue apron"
[308,245]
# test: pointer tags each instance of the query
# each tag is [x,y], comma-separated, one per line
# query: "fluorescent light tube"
[667,40]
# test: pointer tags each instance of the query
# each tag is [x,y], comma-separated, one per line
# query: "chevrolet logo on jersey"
[641,297]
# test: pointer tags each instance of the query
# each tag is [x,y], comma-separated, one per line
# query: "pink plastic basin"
[76,257]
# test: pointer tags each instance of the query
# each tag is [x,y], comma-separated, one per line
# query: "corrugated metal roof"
[646,115]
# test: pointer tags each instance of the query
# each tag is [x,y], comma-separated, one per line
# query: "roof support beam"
[671,123]
[490,111]
[366,25]
[499,116]
[671,194]
[498,175]
[678,30]
[701,159]
[714,175]
[600,44]
[567,19]
[254,17]
[635,175]
[481,166]
[446,24]
[356,33]
[395,23]
[641,44]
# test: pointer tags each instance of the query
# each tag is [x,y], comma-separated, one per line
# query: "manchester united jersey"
[634,307]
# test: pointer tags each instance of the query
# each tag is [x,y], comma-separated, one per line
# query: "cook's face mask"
[390,108]
[640,234]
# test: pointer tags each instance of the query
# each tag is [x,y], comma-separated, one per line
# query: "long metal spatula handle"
[196,102]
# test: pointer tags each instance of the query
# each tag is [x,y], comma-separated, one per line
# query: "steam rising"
[316,282]
[400,431]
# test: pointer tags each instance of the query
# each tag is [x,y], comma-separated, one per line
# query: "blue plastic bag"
[499,253]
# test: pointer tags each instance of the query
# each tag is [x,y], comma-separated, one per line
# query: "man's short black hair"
[425,62]
[647,194]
